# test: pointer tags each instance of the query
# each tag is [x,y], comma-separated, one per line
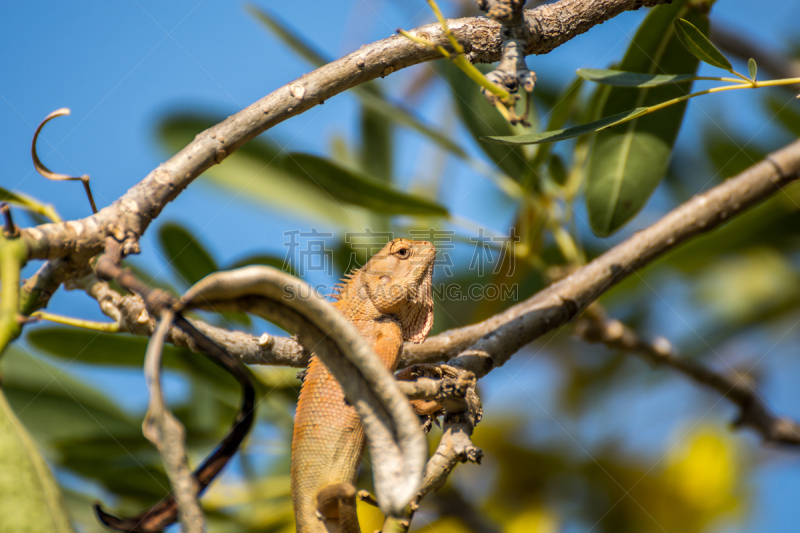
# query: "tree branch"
[593,326]
[167,433]
[498,338]
[130,313]
[506,332]
[550,26]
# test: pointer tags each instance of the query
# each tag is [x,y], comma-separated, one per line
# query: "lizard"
[389,300]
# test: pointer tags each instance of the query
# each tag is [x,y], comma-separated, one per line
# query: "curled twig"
[55,176]
[594,326]
[396,442]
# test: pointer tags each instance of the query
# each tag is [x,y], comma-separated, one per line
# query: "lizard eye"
[403,253]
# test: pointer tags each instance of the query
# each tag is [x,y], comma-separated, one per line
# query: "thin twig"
[594,326]
[106,327]
[168,434]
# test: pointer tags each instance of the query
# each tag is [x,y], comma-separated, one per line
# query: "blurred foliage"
[627,162]
[742,278]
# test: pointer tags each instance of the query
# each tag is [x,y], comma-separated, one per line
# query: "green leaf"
[15,198]
[376,145]
[67,417]
[290,38]
[113,349]
[558,172]
[729,153]
[698,44]
[568,133]
[560,114]
[54,405]
[255,172]
[786,113]
[752,68]
[406,118]
[185,253]
[30,500]
[628,161]
[619,78]
[370,98]
[481,119]
[565,105]
[117,349]
[83,430]
[358,189]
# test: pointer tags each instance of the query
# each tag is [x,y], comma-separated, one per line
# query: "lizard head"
[397,281]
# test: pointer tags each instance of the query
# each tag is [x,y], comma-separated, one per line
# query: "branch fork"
[512,73]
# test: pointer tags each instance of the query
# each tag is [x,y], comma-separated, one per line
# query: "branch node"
[512,73]
[266,341]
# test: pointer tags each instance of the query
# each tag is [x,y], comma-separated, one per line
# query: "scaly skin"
[389,301]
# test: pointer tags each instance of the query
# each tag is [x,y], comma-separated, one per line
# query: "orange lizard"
[389,301]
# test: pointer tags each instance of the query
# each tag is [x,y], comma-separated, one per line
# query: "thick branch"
[505,333]
[550,26]
[593,326]
[130,313]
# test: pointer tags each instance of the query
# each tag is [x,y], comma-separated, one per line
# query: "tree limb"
[506,332]
[131,315]
[593,326]
[550,26]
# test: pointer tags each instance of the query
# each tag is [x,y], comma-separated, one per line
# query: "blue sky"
[121,65]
